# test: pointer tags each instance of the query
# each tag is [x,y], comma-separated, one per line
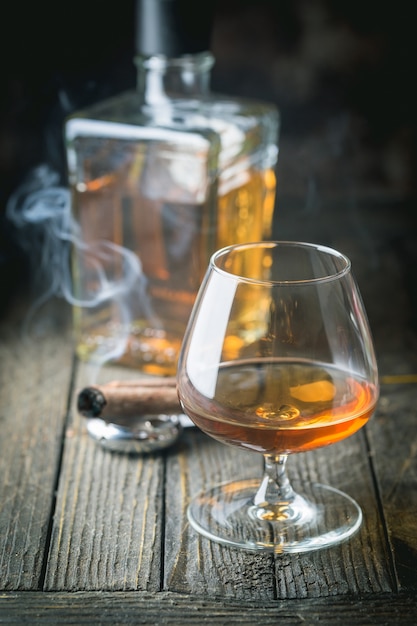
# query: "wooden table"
[89,536]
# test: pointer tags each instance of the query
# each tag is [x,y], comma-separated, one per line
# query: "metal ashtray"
[144,434]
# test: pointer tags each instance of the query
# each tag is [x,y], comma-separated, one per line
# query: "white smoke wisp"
[40,210]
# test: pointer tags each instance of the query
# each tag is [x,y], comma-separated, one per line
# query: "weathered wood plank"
[35,374]
[107,526]
[170,608]
[362,564]
[393,437]
[193,564]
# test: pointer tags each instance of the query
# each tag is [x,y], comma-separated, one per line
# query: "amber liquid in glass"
[281,406]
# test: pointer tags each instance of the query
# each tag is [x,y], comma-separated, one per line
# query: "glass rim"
[326,250]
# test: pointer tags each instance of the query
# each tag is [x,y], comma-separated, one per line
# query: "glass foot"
[321,518]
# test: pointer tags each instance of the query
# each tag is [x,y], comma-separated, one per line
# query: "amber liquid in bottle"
[174,243]
[161,177]
[282,406]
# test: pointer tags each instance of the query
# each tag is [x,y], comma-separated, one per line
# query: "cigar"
[144,396]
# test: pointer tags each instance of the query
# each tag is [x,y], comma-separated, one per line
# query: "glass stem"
[275,489]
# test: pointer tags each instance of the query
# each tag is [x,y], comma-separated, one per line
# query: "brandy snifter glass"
[277,359]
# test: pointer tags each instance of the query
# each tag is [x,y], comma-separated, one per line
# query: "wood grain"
[35,375]
[196,565]
[393,440]
[107,527]
[193,564]
[173,608]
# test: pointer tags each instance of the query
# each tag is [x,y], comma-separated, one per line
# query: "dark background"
[342,74]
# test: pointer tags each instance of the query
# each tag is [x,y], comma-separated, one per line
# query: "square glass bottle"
[161,177]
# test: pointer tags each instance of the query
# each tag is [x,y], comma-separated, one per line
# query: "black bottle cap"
[173,27]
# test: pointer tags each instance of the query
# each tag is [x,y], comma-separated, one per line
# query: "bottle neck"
[162,80]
